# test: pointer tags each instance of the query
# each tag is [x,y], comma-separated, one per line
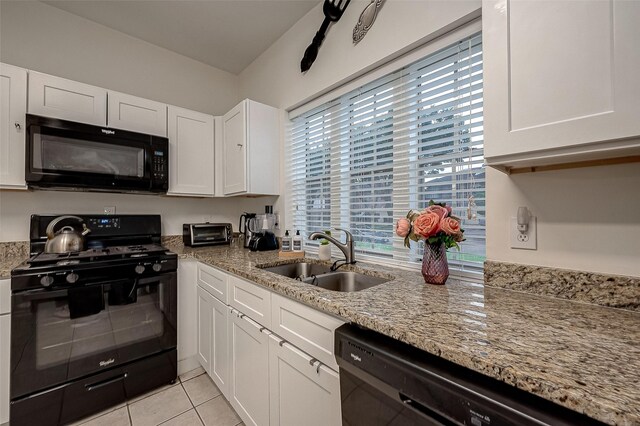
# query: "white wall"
[16,207]
[40,37]
[587,218]
[36,36]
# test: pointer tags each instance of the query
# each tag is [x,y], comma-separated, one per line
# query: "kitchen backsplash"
[615,291]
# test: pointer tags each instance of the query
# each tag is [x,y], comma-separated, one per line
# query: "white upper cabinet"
[191,152]
[136,114]
[57,97]
[560,80]
[251,149]
[13,107]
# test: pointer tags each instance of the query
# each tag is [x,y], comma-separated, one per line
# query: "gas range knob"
[157,267]
[72,277]
[46,281]
[139,269]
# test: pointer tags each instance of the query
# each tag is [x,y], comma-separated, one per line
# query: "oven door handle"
[39,294]
[103,383]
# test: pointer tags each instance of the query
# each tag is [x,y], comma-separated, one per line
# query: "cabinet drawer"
[5,296]
[251,300]
[214,281]
[310,330]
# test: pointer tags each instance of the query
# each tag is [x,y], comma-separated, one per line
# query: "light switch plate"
[527,240]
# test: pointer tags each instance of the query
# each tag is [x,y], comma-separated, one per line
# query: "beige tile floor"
[194,400]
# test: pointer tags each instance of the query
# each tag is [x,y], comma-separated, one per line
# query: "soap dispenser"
[286,241]
[297,241]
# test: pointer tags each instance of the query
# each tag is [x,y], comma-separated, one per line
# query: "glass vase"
[435,268]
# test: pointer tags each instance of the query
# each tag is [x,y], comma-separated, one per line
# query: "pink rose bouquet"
[434,225]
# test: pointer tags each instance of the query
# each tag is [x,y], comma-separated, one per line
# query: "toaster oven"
[206,234]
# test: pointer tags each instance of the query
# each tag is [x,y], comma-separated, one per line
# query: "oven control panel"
[104,223]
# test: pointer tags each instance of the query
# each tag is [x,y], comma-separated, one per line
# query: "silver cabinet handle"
[18,126]
[239,145]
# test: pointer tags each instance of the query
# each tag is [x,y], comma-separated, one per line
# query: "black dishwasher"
[386,382]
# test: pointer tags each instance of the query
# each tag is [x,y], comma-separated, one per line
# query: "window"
[363,160]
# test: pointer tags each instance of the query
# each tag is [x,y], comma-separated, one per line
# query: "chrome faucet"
[346,248]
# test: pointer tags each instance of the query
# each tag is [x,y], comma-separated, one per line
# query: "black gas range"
[95,327]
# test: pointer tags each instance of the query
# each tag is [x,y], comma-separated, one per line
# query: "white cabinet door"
[57,97]
[251,149]
[303,391]
[204,312]
[249,381]
[219,370]
[187,315]
[136,114]
[13,107]
[235,150]
[560,77]
[263,149]
[5,348]
[191,151]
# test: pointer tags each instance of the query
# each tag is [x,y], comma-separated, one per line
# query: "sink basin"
[299,270]
[345,281]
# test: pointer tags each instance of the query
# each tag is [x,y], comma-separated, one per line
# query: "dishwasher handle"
[424,410]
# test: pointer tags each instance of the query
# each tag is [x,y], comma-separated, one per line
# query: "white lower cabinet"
[213,342]
[268,380]
[249,392]
[302,390]
[204,309]
[219,368]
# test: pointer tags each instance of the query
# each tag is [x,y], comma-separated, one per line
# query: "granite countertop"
[582,356]
[7,264]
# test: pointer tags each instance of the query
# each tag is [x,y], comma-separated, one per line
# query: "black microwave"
[75,156]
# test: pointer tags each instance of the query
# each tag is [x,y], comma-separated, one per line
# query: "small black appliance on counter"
[206,234]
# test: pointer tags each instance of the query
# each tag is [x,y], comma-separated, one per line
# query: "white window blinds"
[363,160]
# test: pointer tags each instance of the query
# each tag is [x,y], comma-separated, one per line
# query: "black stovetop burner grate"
[96,254]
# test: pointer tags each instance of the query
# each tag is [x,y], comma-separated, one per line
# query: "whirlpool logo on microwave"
[108,132]
[107,362]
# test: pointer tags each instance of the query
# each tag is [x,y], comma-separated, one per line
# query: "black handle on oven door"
[422,409]
[106,382]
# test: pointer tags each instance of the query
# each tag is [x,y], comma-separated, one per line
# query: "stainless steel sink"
[345,281]
[299,270]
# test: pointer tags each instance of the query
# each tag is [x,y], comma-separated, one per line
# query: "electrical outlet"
[109,209]
[523,240]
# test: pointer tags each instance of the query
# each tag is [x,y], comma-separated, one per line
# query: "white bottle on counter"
[297,242]
[286,241]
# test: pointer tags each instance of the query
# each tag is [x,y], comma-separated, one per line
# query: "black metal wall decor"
[333,10]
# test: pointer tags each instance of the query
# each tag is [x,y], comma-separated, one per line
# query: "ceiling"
[226,34]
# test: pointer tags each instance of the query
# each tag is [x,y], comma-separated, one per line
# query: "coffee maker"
[261,227]
[245,229]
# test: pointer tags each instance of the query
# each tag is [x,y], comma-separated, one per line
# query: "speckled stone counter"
[583,356]
[12,254]
[617,291]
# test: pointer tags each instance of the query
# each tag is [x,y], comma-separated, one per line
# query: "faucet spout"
[346,248]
